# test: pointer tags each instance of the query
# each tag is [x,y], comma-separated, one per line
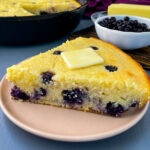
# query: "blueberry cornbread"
[83,74]
[9,8]
[35,7]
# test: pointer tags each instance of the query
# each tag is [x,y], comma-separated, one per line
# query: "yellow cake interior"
[118,81]
[35,7]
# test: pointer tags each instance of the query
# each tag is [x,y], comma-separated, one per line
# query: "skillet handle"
[97,15]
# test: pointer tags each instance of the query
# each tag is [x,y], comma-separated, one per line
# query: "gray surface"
[14,138]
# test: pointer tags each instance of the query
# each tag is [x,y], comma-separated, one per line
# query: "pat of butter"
[129,9]
[81,58]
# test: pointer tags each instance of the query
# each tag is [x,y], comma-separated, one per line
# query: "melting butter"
[81,58]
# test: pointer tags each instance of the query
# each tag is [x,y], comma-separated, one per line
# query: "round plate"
[64,124]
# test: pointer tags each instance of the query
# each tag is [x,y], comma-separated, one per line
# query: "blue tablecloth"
[14,138]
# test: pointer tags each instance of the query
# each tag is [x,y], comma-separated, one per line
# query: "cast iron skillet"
[41,28]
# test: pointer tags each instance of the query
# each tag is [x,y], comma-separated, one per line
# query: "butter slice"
[81,58]
[129,9]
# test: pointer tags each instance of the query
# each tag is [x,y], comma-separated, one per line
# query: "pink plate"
[64,124]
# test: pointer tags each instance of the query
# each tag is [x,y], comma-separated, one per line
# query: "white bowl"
[123,40]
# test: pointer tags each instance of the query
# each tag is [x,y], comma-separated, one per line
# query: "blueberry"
[94,47]
[120,28]
[38,94]
[126,18]
[106,19]
[135,22]
[132,22]
[17,93]
[114,110]
[47,77]
[102,23]
[74,96]
[143,25]
[111,68]
[113,19]
[44,13]
[57,52]
[43,92]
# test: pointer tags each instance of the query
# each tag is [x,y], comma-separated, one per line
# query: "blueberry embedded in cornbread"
[110,86]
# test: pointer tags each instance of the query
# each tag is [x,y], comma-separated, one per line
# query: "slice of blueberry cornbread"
[110,86]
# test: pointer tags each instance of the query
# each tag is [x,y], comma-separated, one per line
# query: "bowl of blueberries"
[126,32]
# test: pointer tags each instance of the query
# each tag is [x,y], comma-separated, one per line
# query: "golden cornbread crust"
[35,7]
[96,85]
[140,67]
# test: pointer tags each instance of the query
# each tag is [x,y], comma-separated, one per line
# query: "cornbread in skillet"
[35,7]
[111,87]
[8,8]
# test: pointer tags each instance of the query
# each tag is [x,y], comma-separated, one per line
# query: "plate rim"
[58,137]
